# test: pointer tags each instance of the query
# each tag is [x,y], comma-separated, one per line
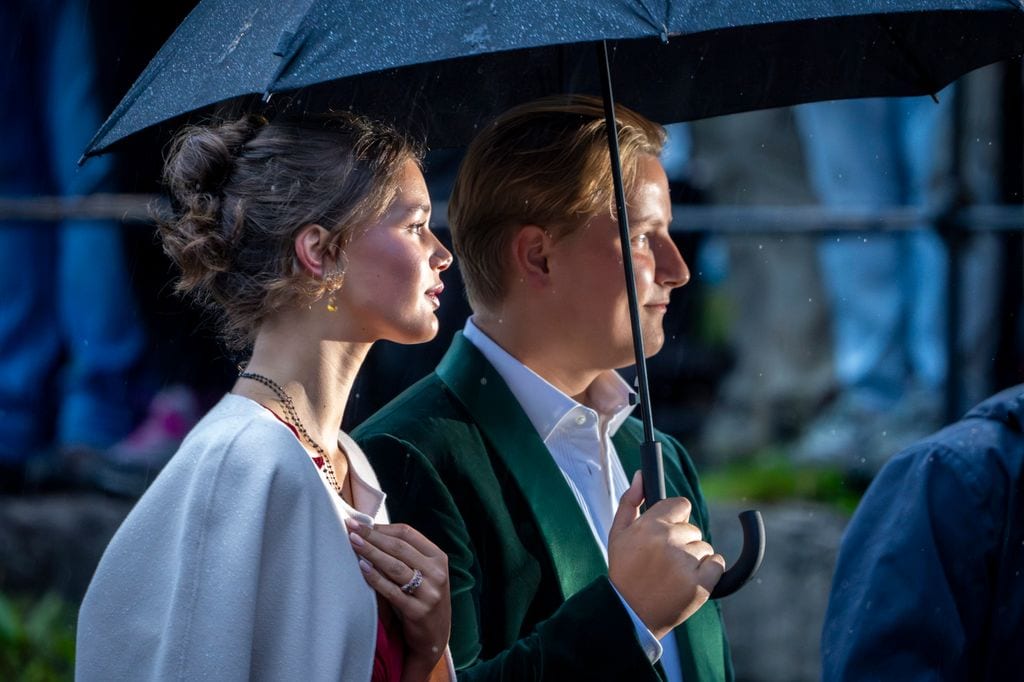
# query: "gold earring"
[333,281]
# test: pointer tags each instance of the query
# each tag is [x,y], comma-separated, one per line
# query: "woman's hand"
[411,573]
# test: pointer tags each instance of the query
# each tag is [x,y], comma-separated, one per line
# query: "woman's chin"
[413,334]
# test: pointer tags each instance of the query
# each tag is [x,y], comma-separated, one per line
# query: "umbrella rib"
[914,62]
[659,23]
[287,49]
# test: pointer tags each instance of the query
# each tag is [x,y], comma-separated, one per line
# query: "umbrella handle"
[652,468]
[750,557]
[752,554]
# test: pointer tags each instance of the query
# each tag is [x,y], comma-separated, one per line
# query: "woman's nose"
[442,258]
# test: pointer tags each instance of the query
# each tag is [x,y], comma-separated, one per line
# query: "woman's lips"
[435,295]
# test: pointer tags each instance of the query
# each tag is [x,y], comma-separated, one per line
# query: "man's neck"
[535,344]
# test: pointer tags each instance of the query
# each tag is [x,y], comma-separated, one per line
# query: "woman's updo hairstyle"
[242,190]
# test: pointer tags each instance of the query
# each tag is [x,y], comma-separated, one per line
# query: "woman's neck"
[317,375]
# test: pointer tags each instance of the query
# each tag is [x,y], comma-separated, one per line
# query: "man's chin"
[651,348]
[653,344]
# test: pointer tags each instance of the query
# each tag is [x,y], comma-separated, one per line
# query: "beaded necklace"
[293,417]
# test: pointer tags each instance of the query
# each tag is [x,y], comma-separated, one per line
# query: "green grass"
[37,639]
[771,477]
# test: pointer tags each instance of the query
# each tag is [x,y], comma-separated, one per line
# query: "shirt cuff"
[648,642]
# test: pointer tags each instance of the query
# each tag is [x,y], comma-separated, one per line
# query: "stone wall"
[53,542]
[774,622]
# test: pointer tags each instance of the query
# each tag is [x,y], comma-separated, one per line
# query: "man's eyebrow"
[647,219]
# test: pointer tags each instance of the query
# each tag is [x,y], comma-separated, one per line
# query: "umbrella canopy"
[442,69]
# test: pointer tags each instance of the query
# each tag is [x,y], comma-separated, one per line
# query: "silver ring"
[414,582]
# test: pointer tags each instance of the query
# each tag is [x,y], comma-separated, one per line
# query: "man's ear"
[531,247]
[315,251]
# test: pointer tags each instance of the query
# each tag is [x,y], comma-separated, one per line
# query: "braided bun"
[200,163]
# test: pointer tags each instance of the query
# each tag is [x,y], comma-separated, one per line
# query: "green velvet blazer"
[461,462]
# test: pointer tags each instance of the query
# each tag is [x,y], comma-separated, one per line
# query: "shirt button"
[581,419]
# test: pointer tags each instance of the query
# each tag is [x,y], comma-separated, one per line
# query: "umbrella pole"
[752,552]
[650,450]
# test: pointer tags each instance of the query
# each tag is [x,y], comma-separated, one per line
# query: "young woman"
[253,553]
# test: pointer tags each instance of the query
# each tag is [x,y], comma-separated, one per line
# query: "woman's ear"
[315,251]
[530,249]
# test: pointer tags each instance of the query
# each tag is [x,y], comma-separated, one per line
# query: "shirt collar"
[546,406]
[366,492]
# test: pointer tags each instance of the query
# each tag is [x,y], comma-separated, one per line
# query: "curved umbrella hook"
[751,556]
[752,552]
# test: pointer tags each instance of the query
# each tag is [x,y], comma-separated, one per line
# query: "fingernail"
[364,565]
[351,524]
[356,540]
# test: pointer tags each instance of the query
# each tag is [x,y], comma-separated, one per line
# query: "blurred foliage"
[714,326]
[772,477]
[37,639]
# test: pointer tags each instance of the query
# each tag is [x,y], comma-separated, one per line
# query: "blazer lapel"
[484,394]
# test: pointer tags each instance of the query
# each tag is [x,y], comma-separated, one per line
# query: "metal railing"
[809,219]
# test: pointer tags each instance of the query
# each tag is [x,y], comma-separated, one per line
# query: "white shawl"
[234,565]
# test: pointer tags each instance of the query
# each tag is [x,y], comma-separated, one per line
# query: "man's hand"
[658,560]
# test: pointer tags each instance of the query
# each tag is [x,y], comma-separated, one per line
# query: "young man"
[515,455]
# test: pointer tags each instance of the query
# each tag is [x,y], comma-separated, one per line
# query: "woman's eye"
[417,228]
[640,241]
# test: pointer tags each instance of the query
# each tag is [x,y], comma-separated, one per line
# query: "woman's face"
[392,284]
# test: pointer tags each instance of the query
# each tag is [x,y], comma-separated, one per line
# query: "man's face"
[588,300]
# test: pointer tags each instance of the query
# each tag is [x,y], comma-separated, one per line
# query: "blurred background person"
[887,291]
[73,369]
[765,287]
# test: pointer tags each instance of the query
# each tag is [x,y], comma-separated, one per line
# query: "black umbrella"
[445,67]
[442,69]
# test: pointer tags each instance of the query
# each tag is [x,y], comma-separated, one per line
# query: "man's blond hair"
[543,163]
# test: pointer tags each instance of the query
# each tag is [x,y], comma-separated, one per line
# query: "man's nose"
[670,268]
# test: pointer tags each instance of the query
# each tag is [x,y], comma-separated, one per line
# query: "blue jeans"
[886,290]
[71,342]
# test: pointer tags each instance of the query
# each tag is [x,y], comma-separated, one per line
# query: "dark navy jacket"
[929,584]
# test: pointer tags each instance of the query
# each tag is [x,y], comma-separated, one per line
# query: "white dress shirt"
[579,439]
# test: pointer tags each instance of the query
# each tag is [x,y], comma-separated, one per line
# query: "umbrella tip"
[82,159]
[266,96]
[935,97]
